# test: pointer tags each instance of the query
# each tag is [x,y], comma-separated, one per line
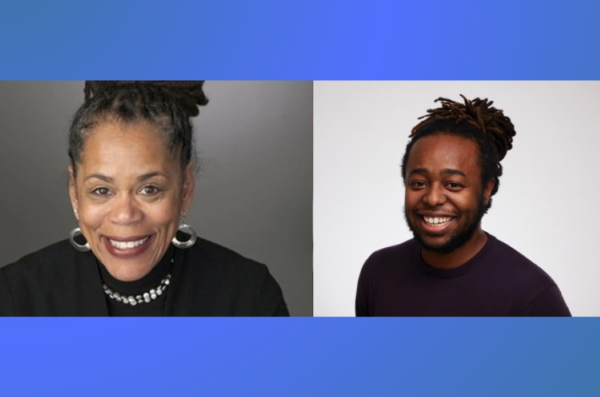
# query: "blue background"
[433,40]
[308,40]
[300,356]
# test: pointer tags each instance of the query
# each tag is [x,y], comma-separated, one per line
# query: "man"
[451,170]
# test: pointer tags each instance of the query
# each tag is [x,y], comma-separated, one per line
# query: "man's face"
[444,200]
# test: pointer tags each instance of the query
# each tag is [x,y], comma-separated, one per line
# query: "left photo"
[156,198]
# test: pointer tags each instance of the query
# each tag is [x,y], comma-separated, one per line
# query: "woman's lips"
[127,247]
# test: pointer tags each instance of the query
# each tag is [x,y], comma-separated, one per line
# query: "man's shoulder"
[534,292]
[404,248]
[520,267]
[393,255]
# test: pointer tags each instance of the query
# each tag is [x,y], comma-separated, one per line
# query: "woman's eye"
[150,190]
[101,191]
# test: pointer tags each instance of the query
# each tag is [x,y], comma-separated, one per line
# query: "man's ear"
[487,193]
[73,192]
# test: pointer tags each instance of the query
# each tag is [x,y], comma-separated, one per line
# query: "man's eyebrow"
[418,171]
[453,172]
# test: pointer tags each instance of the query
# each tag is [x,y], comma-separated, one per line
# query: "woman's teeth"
[127,244]
[437,220]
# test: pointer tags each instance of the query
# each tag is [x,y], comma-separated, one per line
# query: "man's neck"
[459,256]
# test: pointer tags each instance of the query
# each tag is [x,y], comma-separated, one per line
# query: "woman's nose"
[125,210]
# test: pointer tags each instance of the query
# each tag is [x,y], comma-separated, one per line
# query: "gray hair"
[168,105]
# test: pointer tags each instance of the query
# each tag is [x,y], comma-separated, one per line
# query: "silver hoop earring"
[79,247]
[187,229]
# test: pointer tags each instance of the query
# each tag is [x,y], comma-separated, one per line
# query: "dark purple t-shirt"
[498,281]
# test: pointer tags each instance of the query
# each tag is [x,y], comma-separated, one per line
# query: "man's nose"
[434,196]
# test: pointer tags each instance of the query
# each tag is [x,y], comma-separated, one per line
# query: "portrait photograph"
[458,198]
[152,198]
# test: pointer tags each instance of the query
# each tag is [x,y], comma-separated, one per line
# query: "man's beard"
[459,237]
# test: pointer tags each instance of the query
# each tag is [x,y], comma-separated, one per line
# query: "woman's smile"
[130,195]
[127,247]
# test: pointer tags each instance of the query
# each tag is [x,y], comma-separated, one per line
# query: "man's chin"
[440,247]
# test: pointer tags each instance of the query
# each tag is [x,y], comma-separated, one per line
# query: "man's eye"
[150,190]
[453,185]
[417,184]
[101,191]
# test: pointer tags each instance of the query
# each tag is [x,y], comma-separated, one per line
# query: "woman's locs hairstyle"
[169,105]
[477,120]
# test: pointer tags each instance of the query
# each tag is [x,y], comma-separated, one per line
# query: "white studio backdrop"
[546,207]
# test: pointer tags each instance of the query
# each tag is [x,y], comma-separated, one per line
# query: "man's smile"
[436,225]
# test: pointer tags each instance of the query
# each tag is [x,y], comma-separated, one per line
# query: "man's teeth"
[437,220]
[128,244]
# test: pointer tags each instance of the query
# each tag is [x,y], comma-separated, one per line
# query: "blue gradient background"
[312,40]
[310,356]
[435,40]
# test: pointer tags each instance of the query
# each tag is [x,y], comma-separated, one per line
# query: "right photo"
[458,198]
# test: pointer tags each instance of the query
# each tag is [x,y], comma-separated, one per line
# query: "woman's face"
[129,195]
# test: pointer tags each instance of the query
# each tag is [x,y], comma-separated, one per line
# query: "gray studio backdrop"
[253,195]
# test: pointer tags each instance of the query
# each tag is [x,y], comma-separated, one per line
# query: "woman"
[131,183]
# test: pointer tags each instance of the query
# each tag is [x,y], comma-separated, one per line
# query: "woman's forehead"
[123,148]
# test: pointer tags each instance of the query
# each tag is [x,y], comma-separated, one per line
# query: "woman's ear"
[73,192]
[189,184]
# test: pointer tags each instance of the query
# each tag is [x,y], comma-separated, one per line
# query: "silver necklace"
[146,297]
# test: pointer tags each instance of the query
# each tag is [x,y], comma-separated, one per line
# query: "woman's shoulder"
[34,283]
[52,257]
[208,263]
[216,256]
[220,281]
